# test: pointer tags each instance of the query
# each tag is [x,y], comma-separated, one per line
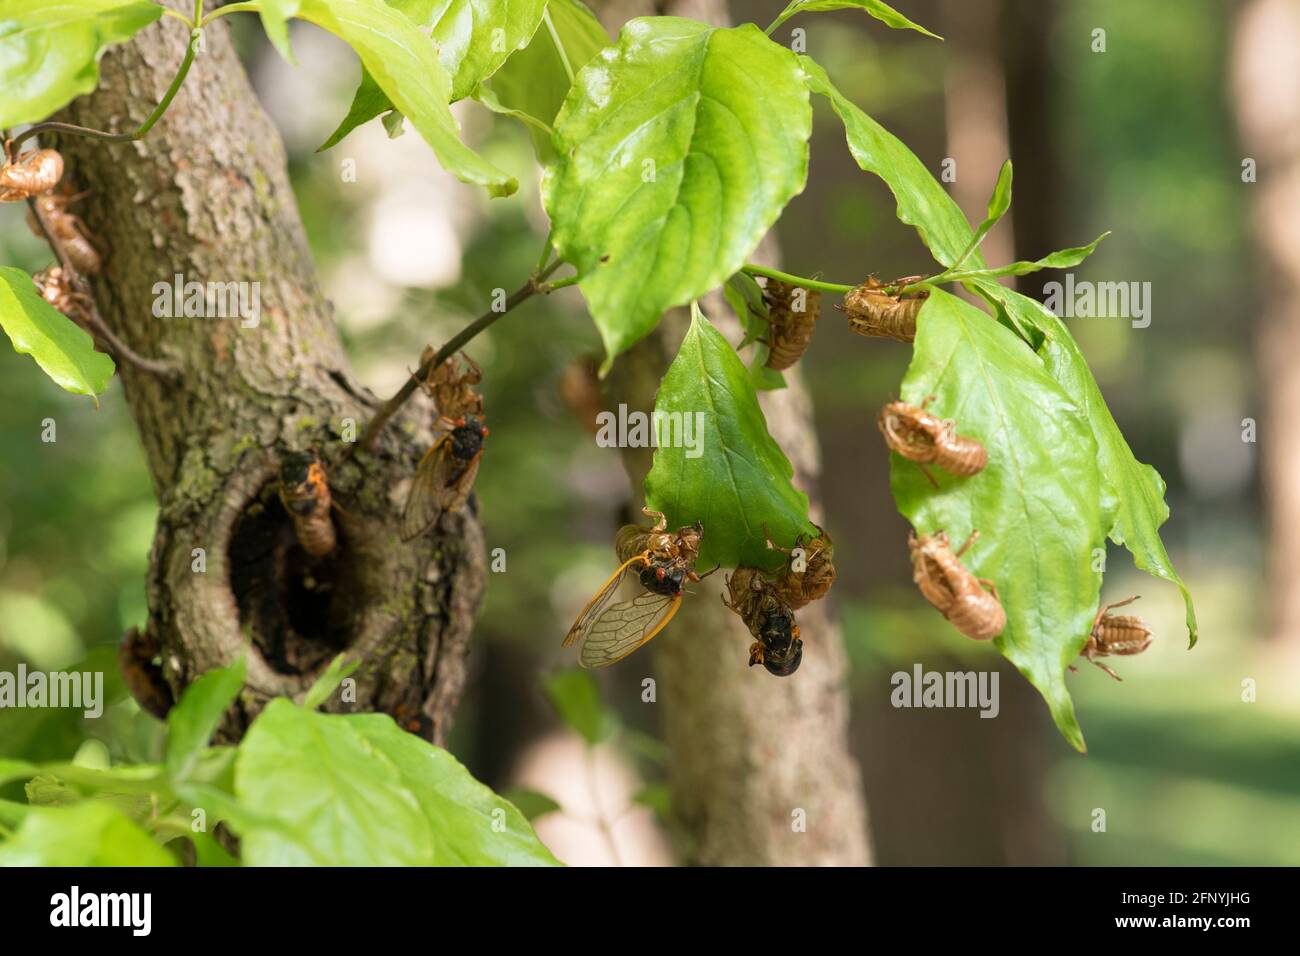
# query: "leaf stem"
[796,280]
[73,129]
[253,6]
[536,283]
[559,47]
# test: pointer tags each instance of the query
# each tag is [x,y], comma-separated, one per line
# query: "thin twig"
[116,347]
[535,284]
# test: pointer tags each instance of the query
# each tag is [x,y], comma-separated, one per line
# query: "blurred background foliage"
[1138,139]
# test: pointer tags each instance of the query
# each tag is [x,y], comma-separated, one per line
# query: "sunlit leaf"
[90,833]
[678,148]
[65,352]
[736,480]
[881,11]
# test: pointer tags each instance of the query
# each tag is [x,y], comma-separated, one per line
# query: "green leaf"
[678,148]
[85,834]
[65,352]
[275,15]
[576,698]
[534,82]
[999,203]
[405,66]
[881,11]
[476,36]
[1038,502]
[470,48]
[923,203]
[355,789]
[741,480]
[328,682]
[531,803]
[1138,488]
[195,718]
[746,300]
[1061,259]
[49,52]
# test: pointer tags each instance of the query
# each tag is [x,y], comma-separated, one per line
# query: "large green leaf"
[64,351]
[50,50]
[923,203]
[405,66]
[1138,488]
[91,833]
[275,15]
[195,718]
[473,39]
[881,11]
[1038,502]
[327,789]
[678,148]
[535,81]
[741,481]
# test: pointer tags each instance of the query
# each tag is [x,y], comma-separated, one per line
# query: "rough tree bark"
[206,196]
[748,749]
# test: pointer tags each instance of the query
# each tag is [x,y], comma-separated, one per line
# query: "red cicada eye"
[486,433]
[660,574]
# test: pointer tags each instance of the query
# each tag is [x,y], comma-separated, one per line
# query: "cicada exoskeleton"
[873,311]
[445,476]
[305,493]
[809,571]
[971,604]
[661,563]
[1119,634]
[57,288]
[68,232]
[30,174]
[926,439]
[792,313]
[758,602]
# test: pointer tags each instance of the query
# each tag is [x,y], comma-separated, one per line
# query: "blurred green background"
[1139,139]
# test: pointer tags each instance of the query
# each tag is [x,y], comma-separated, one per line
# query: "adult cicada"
[660,563]
[770,619]
[445,476]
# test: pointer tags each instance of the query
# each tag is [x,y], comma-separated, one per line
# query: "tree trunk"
[206,196]
[761,772]
[1266,81]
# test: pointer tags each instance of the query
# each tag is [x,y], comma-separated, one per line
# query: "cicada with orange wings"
[661,563]
[30,174]
[305,493]
[445,476]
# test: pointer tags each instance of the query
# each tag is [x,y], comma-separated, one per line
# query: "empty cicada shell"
[929,440]
[67,230]
[971,604]
[58,290]
[30,174]
[874,312]
[305,493]
[792,317]
[809,572]
[451,386]
[770,620]
[1119,634]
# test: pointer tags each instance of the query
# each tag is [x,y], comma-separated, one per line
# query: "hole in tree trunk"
[293,605]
